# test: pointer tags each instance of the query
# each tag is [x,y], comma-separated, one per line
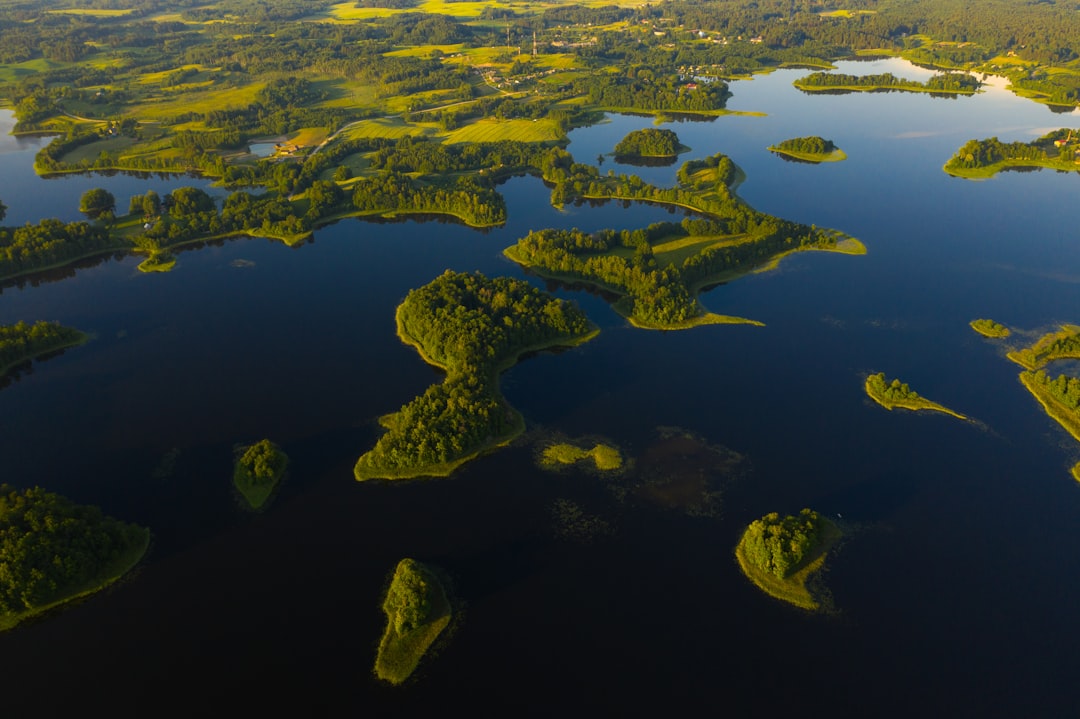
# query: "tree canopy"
[96,202]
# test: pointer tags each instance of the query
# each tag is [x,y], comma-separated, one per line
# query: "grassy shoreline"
[794,589]
[914,403]
[82,339]
[1067,419]
[814,157]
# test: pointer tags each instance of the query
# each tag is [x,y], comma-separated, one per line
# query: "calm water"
[955,588]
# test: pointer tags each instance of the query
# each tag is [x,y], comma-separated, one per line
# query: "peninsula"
[891,395]
[1059,397]
[981,159]
[474,328]
[781,554]
[21,342]
[1063,344]
[53,551]
[258,472]
[417,611]
[809,149]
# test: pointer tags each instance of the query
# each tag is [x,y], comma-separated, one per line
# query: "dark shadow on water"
[56,274]
[797,160]
[640,161]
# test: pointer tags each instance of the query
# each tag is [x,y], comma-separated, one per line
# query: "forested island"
[258,471]
[949,83]
[649,142]
[1063,344]
[891,395]
[781,554]
[659,270]
[53,551]
[21,342]
[990,328]
[1060,397]
[809,149]
[474,328]
[417,611]
[978,159]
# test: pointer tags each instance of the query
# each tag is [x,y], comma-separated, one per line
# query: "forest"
[473,327]
[22,342]
[52,549]
[812,145]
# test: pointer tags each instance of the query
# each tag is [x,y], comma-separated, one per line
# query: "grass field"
[389,127]
[517,130]
[675,252]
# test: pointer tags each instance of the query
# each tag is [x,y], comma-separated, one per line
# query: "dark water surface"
[955,587]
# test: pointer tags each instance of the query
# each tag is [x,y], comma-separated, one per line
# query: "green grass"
[604,457]
[913,403]
[989,328]
[488,130]
[796,588]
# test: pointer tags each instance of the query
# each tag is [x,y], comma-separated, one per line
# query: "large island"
[53,551]
[474,328]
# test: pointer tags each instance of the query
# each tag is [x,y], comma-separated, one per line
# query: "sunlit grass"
[92,12]
[515,130]
[604,457]
[389,127]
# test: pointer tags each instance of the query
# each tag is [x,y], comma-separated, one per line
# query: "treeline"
[466,197]
[779,545]
[894,391]
[1065,390]
[812,145]
[643,88]
[51,548]
[21,342]
[51,242]
[991,151]
[649,142]
[942,82]
[1063,344]
[474,327]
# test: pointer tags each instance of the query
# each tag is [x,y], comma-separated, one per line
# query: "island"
[990,328]
[812,149]
[981,159]
[781,554]
[648,143]
[1063,344]
[417,611]
[603,457]
[658,271]
[1060,398]
[53,551]
[472,327]
[22,342]
[1076,471]
[891,395]
[258,471]
[947,83]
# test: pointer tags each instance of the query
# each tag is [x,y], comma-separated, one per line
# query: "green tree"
[97,203]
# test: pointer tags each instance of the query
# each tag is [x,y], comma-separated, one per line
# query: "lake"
[955,585]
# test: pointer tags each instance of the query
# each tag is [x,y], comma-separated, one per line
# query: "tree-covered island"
[258,470]
[1063,344]
[22,342]
[948,83]
[891,395]
[980,159]
[417,611]
[649,142]
[781,554]
[809,149]
[53,551]
[1060,398]
[990,328]
[659,270]
[474,328]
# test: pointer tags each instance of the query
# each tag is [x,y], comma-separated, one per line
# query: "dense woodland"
[895,391]
[779,545]
[51,548]
[21,341]
[812,145]
[649,142]
[474,327]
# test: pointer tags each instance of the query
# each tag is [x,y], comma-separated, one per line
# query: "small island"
[1063,344]
[779,555]
[604,458]
[982,159]
[990,328]
[258,472]
[891,395]
[417,610]
[474,328]
[1059,397]
[812,149]
[648,143]
[22,342]
[53,551]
